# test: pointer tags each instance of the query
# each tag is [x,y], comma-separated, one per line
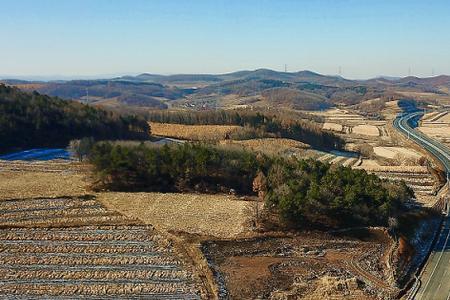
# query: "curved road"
[435,279]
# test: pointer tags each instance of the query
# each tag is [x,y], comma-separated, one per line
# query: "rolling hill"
[261,87]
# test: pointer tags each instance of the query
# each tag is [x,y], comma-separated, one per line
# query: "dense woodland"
[35,120]
[310,191]
[173,168]
[302,130]
[300,191]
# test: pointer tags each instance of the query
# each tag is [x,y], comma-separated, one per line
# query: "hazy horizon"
[56,77]
[354,39]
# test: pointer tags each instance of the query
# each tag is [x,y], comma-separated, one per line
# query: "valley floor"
[206,245]
[194,246]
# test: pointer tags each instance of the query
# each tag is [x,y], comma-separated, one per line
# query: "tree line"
[299,191]
[35,120]
[301,130]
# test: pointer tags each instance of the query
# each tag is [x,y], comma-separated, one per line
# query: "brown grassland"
[272,146]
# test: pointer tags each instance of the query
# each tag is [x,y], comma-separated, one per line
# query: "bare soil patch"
[303,266]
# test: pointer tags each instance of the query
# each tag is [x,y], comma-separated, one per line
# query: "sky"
[98,38]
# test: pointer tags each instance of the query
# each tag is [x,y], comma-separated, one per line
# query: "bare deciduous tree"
[81,147]
[260,187]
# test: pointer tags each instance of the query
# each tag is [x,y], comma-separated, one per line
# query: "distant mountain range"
[260,74]
[262,87]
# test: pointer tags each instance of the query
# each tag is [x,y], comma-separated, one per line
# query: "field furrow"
[75,248]
[72,259]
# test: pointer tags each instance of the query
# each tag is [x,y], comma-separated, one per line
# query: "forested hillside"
[35,120]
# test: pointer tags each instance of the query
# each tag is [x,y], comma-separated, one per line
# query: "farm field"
[333,127]
[437,125]
[193,132]
[353,127]
[419,178]
[58,242]
[397,152]
[75,247]
[338,159]
[339,114]
[369,130]
[210,215]
[57,212]
[29,179]
[391,158]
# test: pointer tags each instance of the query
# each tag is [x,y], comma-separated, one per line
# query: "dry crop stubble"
[106,257]
[194,132]
[215,215]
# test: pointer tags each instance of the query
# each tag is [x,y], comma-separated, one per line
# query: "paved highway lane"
[435,278]
[437,149]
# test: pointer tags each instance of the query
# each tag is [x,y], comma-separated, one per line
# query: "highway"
[434,282]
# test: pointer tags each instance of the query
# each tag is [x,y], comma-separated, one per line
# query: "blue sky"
[99,37]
